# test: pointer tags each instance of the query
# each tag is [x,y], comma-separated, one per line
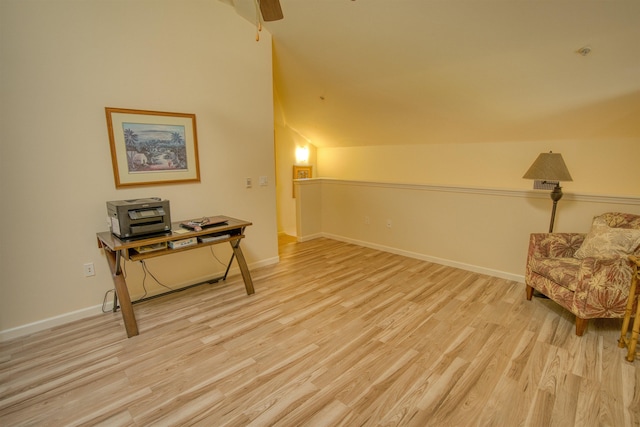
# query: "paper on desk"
[180,231]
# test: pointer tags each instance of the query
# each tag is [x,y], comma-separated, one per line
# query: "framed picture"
[300,172]
[152,147]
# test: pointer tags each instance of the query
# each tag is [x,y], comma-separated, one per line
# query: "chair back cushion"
[612,235]
[621,220]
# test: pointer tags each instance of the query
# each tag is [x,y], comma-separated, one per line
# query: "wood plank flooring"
[336,335]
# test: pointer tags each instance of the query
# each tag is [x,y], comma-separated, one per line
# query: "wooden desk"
[115,249]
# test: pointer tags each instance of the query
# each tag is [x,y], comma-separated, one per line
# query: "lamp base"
[556,195]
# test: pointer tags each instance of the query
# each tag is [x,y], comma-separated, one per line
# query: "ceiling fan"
[253,10]
[270,10]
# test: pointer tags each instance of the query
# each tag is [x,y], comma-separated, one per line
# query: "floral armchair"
[588,274]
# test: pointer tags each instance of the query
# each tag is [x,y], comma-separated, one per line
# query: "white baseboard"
[52,322]
[447,262]
[263,263]
[49,323]
[316,236]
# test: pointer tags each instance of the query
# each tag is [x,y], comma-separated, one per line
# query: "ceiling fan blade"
[271,10]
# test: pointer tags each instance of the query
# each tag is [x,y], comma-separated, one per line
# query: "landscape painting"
[152,147]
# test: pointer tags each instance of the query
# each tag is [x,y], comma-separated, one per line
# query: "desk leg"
[122,292]
[242,263]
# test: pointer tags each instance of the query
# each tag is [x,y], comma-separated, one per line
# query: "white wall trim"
[83,313]
[436,260]
[581,197]
[262,263]
[311,237]
[49,323]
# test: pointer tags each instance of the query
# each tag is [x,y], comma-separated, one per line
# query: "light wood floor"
[336,335]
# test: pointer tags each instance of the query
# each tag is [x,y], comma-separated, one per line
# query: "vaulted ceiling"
[382,72]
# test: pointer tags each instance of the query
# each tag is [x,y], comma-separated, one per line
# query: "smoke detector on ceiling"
[584,51]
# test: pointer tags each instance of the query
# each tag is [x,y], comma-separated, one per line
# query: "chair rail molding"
[541,194]
[485,230]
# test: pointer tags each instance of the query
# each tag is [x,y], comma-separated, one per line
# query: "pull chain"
[258,23]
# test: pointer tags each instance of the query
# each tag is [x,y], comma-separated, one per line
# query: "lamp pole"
[556,195]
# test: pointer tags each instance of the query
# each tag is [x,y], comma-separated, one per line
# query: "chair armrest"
[603,287]
[554,245]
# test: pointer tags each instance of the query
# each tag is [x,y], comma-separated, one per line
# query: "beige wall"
[63,62]
[285,159]
[287,140]
[607,167]
[465,205]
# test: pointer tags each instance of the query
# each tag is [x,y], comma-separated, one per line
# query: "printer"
[131,219]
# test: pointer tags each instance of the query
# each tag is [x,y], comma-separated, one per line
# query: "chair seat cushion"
[563,271]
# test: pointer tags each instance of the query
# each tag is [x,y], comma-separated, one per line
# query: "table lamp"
[549,168]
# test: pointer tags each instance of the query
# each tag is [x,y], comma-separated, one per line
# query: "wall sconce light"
[302,154]
[550,169]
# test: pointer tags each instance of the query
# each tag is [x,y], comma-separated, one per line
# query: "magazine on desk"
[204,222]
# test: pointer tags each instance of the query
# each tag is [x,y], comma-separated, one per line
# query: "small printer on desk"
[131,219]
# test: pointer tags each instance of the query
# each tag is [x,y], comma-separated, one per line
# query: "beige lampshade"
[549,167]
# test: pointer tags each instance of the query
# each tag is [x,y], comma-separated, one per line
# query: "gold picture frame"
[301,172]
[152,147]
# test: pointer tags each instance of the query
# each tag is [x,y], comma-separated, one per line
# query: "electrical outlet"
[263,181]
[89,270]
[248,182]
